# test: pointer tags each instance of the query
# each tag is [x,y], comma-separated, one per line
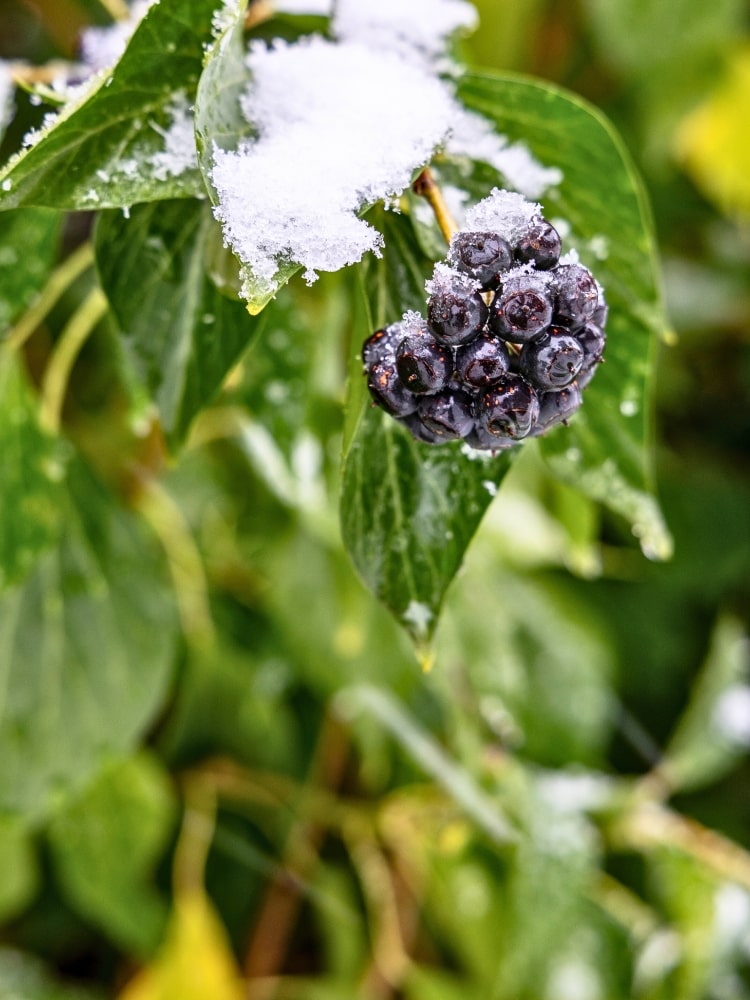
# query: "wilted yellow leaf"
[195,962]
[713,141]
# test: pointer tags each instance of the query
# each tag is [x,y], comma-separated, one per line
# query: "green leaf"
[107,149]
[28,241]
[408,510]
[105,846]
[31,485]
[20,873]
[220,122]
[606,451]
[86,648]
[182,335]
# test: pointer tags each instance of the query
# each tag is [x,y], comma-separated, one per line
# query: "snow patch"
[419,25]
[504,212]
[178,154]
[6,96]
[102,47]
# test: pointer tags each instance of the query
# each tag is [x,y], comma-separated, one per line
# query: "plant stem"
[427,187]
[79,327]
[59,281]
[118,10]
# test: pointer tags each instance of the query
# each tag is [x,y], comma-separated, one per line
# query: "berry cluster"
[510,339]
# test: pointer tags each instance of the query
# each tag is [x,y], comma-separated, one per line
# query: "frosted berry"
[448,414]
[553,360]
[540,244]
[388,390]
[508,409]
[483,361]
[455,315]
[484,256]
[382,344]
[423,365]
[557,408]
[576,296]
[523,310]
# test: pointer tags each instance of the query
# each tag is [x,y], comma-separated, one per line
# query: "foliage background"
[290,807]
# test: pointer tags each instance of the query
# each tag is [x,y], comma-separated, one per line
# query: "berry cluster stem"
[427,187]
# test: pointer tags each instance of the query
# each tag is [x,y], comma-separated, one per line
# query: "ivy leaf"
[182,335]
[606,452]
[28,241]
[408,510]
[31,485]
[108,148]
[86,646]
[103,866]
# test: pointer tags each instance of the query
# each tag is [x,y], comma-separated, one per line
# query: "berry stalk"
[427,187]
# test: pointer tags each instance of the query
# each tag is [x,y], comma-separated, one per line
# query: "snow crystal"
[731,716]
[474,136]
[339,127]
[179,153]
[102,47]
[322,7]
[503,212]
[6,95]
[444,279]
[420,25]
[419,616]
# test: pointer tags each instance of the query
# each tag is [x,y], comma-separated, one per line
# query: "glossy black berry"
[553,360]
[418,430]
[508,409]
[423,365]
[592,339]
[482,440]
[448,414]
[522,310]
[540,243]
[557,408]
[382,344]
[484,256]
[455,313]
[388,390]
[576,295]
[483,361]
[601,313]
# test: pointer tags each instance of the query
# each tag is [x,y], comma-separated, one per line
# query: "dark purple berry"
[508,409]
[388,390]
[448,414]
[382,344]
[552,361]
[592,339]
[601,313]
[455,313]
[483,361]
[423,365]
[557,408]
[523,310]
[540,244]
[418,430]
[586,374]
[485,256]
[482,440]
[576,296]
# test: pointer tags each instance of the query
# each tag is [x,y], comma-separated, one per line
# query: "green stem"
[74,335]
[59,282]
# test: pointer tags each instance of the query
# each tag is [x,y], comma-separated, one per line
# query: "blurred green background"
[344,813]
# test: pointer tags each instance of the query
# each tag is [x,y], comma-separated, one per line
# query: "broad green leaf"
[127,138]
[28,241]
[606,452]
[19,872]
[31,481]
[86,648]
[219,122]
[182,335]
[408,510]
[105,846]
